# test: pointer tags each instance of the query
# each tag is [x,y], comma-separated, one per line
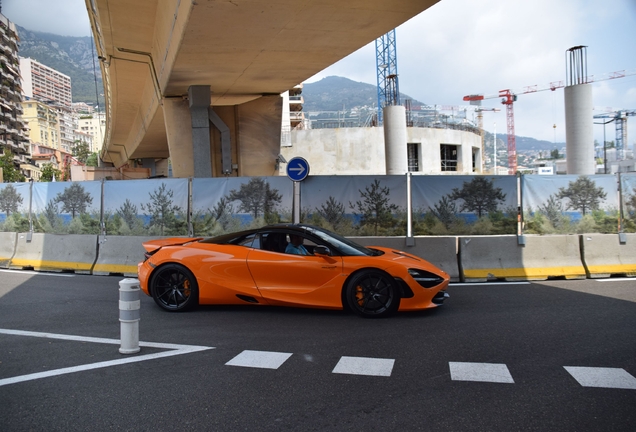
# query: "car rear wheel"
[174,288]
[372,294]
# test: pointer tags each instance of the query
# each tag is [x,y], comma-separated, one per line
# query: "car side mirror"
[322,250]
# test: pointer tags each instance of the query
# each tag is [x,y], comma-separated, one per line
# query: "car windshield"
[344,245]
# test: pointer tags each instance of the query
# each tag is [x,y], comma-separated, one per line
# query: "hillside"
[335,93]
[73,56]
[77,58]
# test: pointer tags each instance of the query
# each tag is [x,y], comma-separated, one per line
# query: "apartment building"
[42,120]
[44,83]
[95,126]
[13,137]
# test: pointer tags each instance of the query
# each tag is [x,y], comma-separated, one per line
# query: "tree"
[446,211]
[128,212]
[9,172]
[48,172]
[554,154]
[375,209]
[74,199]
[333,211]
[583,195]
[479,196]
[553,210]
[92,160]
[81,151]
[10,199]
[160,209]
[256,197]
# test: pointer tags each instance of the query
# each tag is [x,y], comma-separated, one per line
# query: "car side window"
[247,241]
[273,242]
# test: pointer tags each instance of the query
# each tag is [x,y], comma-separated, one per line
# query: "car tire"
[372,294]
[174,288]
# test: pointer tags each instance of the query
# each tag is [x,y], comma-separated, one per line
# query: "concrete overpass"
[199,81]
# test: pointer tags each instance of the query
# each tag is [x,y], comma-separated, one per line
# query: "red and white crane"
[509,97]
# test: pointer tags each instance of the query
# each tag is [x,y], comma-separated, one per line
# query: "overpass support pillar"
[188,130]
[199,100]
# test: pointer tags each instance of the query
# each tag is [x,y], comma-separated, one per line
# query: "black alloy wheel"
[174,288]
[372,294]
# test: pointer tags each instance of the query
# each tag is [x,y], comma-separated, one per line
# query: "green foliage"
[48,172]
[256,197]
[445,211]
[16,222]
[583,195]
[478,195]
[10,199]
[92,160]
[375,209]
[74,199]
[81,151]
[10,173]
[161,210]
[333,211]
[128,213]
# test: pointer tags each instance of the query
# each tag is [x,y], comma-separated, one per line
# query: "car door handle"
[329,267]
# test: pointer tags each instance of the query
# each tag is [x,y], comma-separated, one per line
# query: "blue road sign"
[297,169]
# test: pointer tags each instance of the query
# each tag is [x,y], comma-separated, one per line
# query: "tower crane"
[509,97]
[619,116]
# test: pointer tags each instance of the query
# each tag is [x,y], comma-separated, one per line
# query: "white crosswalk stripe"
[602,377]
[481,372]
[259,359]
[364,366]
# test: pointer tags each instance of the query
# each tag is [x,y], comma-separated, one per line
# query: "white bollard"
[129,315]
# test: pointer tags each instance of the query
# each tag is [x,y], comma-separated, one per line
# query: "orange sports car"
[288,265]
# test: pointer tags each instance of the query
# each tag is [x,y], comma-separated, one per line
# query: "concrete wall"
[353,151]
[467,259]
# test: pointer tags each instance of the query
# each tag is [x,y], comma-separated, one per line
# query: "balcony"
[296,100]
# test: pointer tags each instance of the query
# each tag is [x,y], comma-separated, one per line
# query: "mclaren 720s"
[294,265]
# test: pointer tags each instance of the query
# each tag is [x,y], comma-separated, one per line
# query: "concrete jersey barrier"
[501,257]
[439,251]
[55,252]
[7,247]
[120,255]
[604,255]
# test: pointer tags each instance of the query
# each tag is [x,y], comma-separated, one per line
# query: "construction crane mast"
[387,73]
[509,97]
[619,117]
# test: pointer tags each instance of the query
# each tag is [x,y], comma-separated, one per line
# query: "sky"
[462,47]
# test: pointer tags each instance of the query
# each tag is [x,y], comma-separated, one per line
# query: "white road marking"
[487,283]
[31,272]
[481,372]
[174,350]
[624,279]
[259,359]
[364,366]
[602,377]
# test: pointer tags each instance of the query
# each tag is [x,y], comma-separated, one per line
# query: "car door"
[286,279]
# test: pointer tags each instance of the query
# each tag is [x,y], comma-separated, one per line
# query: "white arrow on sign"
[300,169]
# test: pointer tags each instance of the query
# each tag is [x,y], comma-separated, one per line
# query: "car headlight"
[425,278]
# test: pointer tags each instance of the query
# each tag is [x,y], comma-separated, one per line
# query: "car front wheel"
[372,294]
[174,288]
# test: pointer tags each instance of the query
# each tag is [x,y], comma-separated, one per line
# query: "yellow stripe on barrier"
[115,268]
[59,265]
[570,272]
[628,269]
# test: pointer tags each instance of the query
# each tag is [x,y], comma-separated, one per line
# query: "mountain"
[77,58]
[334,93]
[72,56]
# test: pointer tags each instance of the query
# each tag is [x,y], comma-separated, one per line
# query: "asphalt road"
[547,356]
